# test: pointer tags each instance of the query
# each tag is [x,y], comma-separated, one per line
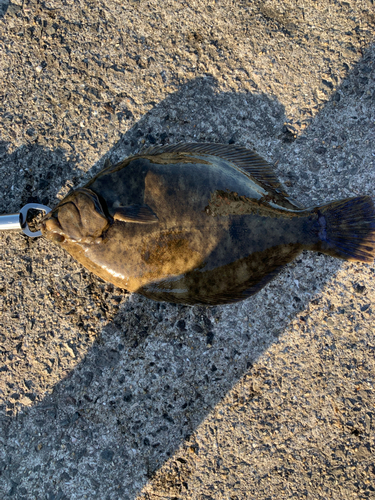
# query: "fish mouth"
[51,228]
[78,218]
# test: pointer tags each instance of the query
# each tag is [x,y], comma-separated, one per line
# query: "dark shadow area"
[156,370]
[6,7]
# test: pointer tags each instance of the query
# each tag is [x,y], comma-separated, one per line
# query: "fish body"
[200,224]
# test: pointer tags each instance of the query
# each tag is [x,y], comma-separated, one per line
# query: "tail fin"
[347,229]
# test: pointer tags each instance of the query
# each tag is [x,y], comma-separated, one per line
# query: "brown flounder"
[200,224]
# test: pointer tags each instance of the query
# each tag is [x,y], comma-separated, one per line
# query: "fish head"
[78,218]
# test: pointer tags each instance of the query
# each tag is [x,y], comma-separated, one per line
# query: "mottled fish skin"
[185,225]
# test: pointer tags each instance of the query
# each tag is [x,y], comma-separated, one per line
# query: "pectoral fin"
[141,214]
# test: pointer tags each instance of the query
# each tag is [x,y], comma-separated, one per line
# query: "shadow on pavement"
[156,370]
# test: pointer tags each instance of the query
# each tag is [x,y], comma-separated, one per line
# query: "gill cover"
[80,217]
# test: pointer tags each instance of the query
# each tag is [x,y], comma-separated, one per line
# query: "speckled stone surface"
[110,396]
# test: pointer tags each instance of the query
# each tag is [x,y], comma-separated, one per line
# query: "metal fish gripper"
[18,221]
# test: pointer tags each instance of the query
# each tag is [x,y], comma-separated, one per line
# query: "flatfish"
[200,223]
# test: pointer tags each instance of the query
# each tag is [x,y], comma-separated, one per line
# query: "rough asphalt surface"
[109,396]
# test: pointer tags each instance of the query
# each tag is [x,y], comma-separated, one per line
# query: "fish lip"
[43,222]
[56,226]
[50,215]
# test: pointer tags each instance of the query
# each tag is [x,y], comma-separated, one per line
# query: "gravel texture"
[111,396]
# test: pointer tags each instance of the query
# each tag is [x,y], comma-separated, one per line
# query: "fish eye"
[57,238]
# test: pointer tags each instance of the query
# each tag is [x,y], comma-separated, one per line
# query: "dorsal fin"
[248,161]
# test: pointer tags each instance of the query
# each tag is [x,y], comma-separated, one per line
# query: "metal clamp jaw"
[18,221]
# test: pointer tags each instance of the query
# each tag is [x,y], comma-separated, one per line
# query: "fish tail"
[346,229]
